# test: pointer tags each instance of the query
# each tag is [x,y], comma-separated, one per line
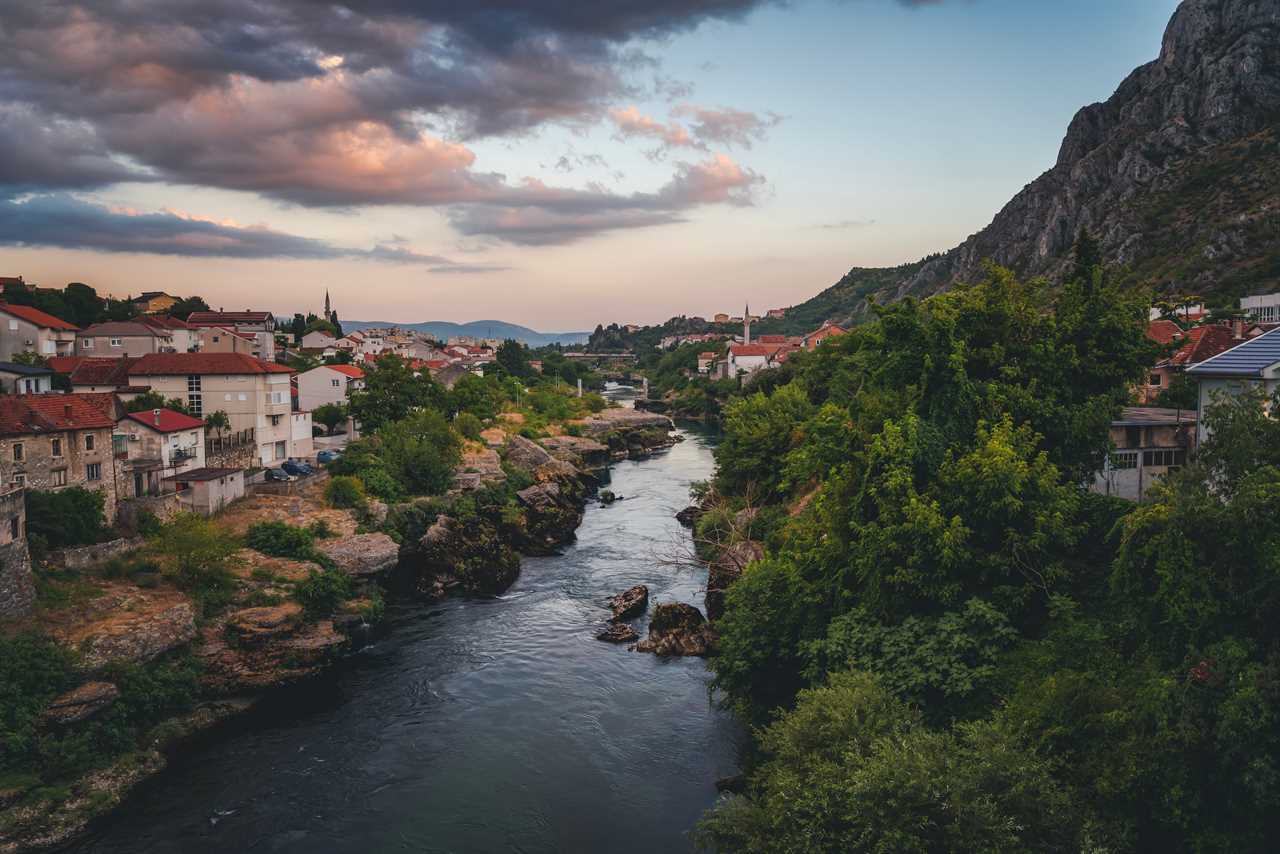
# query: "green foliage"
[280,539]
[194,552]
[482,397]
[68,517]
[392,392]
[150,400]
[1182,393]
[33,670]
[345,491]
[420,452]
[379,483]
[759,431]
[217,421]
[468,426]
[513,358]
[323,591]
[329,415]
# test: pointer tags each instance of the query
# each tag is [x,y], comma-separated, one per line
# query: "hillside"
[443,330]
[1177,174]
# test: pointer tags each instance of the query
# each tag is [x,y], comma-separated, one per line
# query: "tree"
[392,392]
[194,549]
[217,421]
[420,452]
[149,400]
[184,307]
[298,327]
[83,305]
[329,415]
[513,357]
[1087,254]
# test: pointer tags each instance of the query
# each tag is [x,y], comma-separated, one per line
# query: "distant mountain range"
[443,330]
[1177,175]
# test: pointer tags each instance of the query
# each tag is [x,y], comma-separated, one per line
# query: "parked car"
[327,456]
[279,476]
[298,467]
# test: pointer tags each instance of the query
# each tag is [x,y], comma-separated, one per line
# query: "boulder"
[677,629]
[479,468]
[255,626]
[541,497]
[469,553]
[607,496]
[629,603]
[689,516]
[81,703]
[362,554]
[617,633]
[725,569]
[525,453]
[138,638]
[580,451]
[375,511]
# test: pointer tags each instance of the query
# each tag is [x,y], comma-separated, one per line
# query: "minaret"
[746,325]
[328,315]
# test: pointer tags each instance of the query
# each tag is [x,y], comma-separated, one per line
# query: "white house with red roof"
[24,329]
[328,384]
[159,443]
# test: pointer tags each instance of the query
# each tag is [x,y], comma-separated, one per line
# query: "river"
[478,725]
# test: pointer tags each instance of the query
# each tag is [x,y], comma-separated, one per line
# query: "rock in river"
[617,633]
[677,629]
[629,603]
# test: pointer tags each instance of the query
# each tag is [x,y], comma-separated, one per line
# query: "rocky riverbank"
[262,642]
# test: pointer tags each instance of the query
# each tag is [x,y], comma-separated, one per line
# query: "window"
[227,396]
[20,479]
[115,342]
[14,526]
[195,401]
[275,420]
[275,397]
[93,471]
[1124,460]
[56,447]
[58,478]
[334,383]
[89,441]
[18,451]
[50,348]
[1154,379]
[242,396]
[86,343]
[1164,457]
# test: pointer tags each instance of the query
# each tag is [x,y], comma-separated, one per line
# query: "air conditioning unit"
[134,437]
[30,343]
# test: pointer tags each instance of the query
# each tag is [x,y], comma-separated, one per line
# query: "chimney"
[155,413]
[1237,327]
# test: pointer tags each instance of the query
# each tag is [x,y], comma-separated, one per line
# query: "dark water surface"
[479,725]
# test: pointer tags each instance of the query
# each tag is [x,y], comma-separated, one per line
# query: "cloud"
[630,123]
[727,126]
[65,221]
[846,224]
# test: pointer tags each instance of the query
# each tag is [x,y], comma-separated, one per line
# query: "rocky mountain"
[1177,175]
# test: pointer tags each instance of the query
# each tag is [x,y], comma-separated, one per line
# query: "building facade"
[24,329]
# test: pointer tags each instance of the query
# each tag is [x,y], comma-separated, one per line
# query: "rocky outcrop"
[629,603]
[479,468]
[677,629]
[689,516]
[725,569]
[552,515]
[81,703]
[617,633]
[138,637]
[468,554]
[254,649]
[256,626]
[1177,174]
[362,555]
[525,453]
[583,453]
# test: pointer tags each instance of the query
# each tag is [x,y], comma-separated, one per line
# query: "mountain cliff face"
[1177,175]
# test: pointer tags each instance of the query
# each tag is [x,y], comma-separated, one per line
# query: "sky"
[554,163]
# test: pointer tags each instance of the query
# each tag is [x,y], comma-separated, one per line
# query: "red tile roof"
[1204,342]
[53,413]
[754,349]
[173,364]
[225,318]
[772,339]
[65,364]
[103,371]
[36,316]
[165,420]
[350,370]
[1164,331]
[163,321]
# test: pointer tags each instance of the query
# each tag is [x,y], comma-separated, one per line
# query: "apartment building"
[258,325]
[117,338]
[255,395]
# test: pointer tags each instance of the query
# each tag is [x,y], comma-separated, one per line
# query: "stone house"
[1147,443]
[153,302]
[17,585]
[52,441]
[24,329]
[25,379]
[255,395]
[158,443]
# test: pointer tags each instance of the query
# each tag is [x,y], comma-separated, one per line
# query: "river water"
[478,725]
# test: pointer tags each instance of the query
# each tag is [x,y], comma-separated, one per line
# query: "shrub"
[320,530]
[379,482]
[345,491]
[33,670]
[68,517]
[193,550]
[420,452]
[280,539]
[323,591]
[468,425]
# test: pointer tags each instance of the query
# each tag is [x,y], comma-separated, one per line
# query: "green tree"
[183,307]
[420,451]
[194,549]
[513,357]
[392,391]
[329,415]
[149,400]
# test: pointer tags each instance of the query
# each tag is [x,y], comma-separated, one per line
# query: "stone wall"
[163,507]
[17,587]
[83,557]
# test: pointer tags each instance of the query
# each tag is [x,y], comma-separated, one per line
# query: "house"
[721,318]
[301,434]
[1196,345]
[158,443]
[24,329]
[153,302]
[222,339]
[207,490]
[776,313]
[318,339]
[815,338]
[705,361]
[328,384]
[749,358]
[1264,308]
[1147,443]
[1254,363]
[53,441]
[183,337]
[258,325]
[25,379]
[117,338]
[255,395]
[101,375]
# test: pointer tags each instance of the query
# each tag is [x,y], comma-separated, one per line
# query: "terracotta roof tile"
[1164,331]
[173,364]
[52,413]
[36,316]
[103,371]
[350,370]
[165,420]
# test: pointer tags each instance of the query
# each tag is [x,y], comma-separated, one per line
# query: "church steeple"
[328,314]
[746,325]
